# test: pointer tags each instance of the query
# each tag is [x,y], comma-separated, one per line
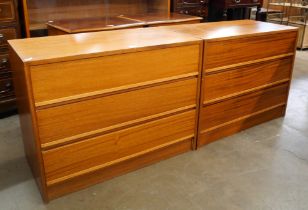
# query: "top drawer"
[109,73]
[7,12]
[219,54]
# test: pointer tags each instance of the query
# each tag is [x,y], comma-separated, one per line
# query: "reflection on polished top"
[84,45]
[229,29]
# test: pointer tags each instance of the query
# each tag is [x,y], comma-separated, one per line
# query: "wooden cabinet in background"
[232,9]
[191,7]
[76,16]
[9,29]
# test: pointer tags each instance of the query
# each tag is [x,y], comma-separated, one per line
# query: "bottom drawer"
[79,158]
[239,125]
[216,115]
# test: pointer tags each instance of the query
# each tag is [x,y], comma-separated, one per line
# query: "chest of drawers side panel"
[27,118]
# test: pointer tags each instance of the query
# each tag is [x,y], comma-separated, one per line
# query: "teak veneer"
[247,69]
[97,105]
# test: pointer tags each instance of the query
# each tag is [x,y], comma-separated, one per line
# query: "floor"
[265,167]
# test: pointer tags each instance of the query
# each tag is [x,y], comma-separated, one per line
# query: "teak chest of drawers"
[111,102]
[246,73]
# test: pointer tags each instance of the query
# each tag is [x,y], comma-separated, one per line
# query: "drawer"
[71,120]
[201,11]
[7,34]
[234,3]
[219,113]
[125,70]
[234,51]
[98,152]
[7,11]
[4,62]
[6,88]
[239,125]
[237,80]
[193,2]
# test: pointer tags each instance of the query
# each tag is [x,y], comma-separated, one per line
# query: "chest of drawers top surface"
[66,47]
[231,29]
[86,45]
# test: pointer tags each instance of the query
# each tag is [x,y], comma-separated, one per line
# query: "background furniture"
[132,107]
[9,29]
[191,7]
[290,12]
[299,18]
[93,15]
[118,22]
[232,9]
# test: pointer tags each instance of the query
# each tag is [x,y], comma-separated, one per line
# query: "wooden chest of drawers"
[125,107]
[144,95]
[247,69]
[9,29]
[191,7]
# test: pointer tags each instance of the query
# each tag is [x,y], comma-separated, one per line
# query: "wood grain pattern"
[122,70]
[100,150]
[228,110]
[224,53]
[241,124]
[96,44]
[104,174]
[226,83]
[72,119]
[27,121]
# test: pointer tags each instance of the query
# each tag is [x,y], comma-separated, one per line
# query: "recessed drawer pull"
[4,61]
[8,89]
[1,36]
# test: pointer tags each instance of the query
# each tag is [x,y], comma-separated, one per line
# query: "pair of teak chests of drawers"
[93,106]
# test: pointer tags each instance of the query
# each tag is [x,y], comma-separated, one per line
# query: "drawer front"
[243,78]
[7,11]
[7,34]
[232,3]
[191,2]
[112,111]
[235,51]
[201,11]
[122,70]
[106,149]
[235,108]
[6,88]
[4,62]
